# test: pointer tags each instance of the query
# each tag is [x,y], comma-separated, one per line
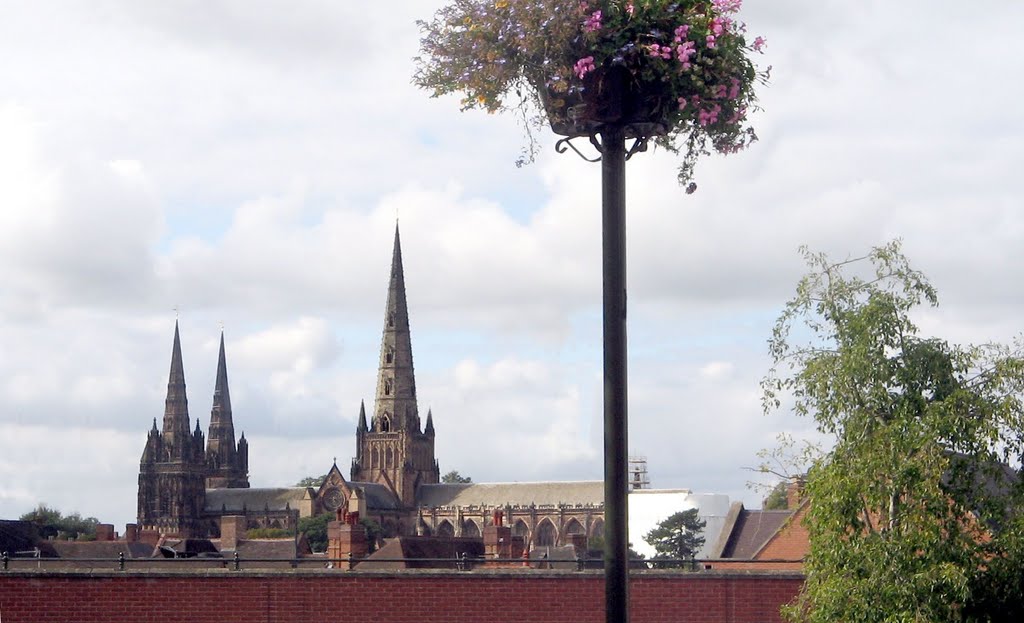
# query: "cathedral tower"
[393,449]
[172,469]
[227,464]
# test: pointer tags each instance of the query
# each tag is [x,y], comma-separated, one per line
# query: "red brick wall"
[415,597]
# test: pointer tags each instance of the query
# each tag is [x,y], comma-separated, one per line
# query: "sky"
[242,165]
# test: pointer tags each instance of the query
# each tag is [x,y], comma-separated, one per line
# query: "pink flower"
[681,32]
[684,51]
[682,103]
[630,9]
[720,91]
[709,116]
[717,26]
[738,114]
[660,51]
[710,42]
[592,23]
[734,90]
[584,66]
[759,44]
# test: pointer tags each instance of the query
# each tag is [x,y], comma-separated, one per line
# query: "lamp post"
[613,253]
[621,117]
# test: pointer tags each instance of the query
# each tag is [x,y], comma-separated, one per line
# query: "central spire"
[222,429]
[395,407]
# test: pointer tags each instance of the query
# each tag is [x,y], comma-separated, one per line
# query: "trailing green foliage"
[914,513]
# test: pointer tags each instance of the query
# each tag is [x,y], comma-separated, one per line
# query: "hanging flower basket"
[608,97]
[676,70]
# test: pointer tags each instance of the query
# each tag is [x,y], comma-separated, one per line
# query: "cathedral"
[187,485]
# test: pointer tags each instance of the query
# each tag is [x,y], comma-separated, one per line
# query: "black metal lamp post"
[616,513]
[621,117]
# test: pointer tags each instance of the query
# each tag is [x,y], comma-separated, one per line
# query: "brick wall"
[225,596]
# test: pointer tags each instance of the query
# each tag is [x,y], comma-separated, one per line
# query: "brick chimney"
[232,530]
[795,492]
[131,533]
[345,542]
[105,532]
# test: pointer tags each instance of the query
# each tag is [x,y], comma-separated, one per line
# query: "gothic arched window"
[470,529]
[385,424]
[387,387]
[574,527]
[521,529]
[546,534]
[445,529]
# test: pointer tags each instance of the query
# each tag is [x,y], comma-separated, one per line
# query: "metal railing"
[458,563]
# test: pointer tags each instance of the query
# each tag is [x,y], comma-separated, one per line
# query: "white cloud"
[246,165]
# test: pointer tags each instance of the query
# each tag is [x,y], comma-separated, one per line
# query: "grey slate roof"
[378,496]
[275,499]
[752,530]
[511,493]
[101,549]
[423,552]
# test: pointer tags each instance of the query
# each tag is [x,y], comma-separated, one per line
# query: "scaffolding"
[638,478]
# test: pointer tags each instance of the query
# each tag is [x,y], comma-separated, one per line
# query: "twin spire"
[227,461]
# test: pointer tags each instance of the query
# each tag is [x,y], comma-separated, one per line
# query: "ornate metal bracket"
[636,132]
[563,145]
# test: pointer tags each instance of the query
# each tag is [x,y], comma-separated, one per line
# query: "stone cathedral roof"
[512,494]
[255,499]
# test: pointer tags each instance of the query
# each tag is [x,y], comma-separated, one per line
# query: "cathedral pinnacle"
[362,427]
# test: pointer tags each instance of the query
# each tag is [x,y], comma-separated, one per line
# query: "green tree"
[454,477]
[912,514]
[52,522]
[678,537]
[777,499]
[311,481]
[315,528]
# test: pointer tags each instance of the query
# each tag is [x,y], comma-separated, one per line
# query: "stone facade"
[176,469]
[186,490]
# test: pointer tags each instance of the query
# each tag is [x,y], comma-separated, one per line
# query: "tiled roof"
[752,530]
[423,552]
[22,536]
[101,549]
[235,500]
[378,496]
[512,493]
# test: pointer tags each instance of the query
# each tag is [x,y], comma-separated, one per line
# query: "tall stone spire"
[171,495]
[227,468]
[395,407]
[176,428]
[394,451]
[222,429]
